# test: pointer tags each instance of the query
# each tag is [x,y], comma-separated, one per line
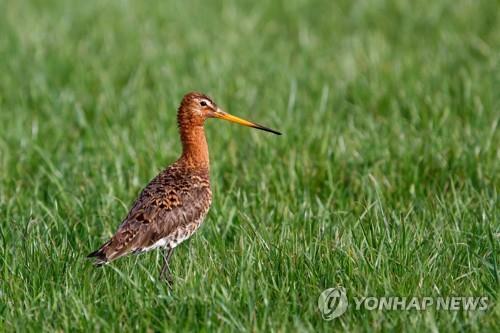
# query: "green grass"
[386,180]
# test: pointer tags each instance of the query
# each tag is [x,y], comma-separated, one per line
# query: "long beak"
[226,116]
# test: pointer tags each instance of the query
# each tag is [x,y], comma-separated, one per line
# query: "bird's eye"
[203,103]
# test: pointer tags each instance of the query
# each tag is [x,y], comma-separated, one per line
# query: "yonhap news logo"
[333,303]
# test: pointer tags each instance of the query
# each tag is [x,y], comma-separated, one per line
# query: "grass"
[385,182]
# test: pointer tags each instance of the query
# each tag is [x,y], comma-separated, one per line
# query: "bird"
[174,204]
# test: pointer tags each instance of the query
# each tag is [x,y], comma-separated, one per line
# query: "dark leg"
[165,270]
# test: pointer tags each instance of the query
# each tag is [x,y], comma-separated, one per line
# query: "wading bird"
[173,205]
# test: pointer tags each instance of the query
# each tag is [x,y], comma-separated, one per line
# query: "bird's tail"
[99,255]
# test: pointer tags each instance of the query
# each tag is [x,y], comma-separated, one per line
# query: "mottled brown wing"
[175,198]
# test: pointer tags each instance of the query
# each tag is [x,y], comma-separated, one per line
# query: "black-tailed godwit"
[173,205]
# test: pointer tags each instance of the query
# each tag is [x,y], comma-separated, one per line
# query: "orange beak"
[226,116]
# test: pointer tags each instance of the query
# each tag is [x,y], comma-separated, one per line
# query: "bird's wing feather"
[171,200]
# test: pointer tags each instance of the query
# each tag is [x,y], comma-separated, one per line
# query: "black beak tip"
[271,131]
[267,129]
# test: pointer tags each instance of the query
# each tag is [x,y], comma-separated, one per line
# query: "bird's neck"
[194,147]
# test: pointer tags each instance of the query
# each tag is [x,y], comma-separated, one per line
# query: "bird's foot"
[170,281]
[167,276]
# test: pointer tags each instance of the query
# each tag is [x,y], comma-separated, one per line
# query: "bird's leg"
[165,270]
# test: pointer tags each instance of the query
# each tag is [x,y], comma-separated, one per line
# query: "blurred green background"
[385,181]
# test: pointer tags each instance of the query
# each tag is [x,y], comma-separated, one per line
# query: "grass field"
[386,180]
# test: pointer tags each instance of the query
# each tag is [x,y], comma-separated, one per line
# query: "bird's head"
[196,107]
